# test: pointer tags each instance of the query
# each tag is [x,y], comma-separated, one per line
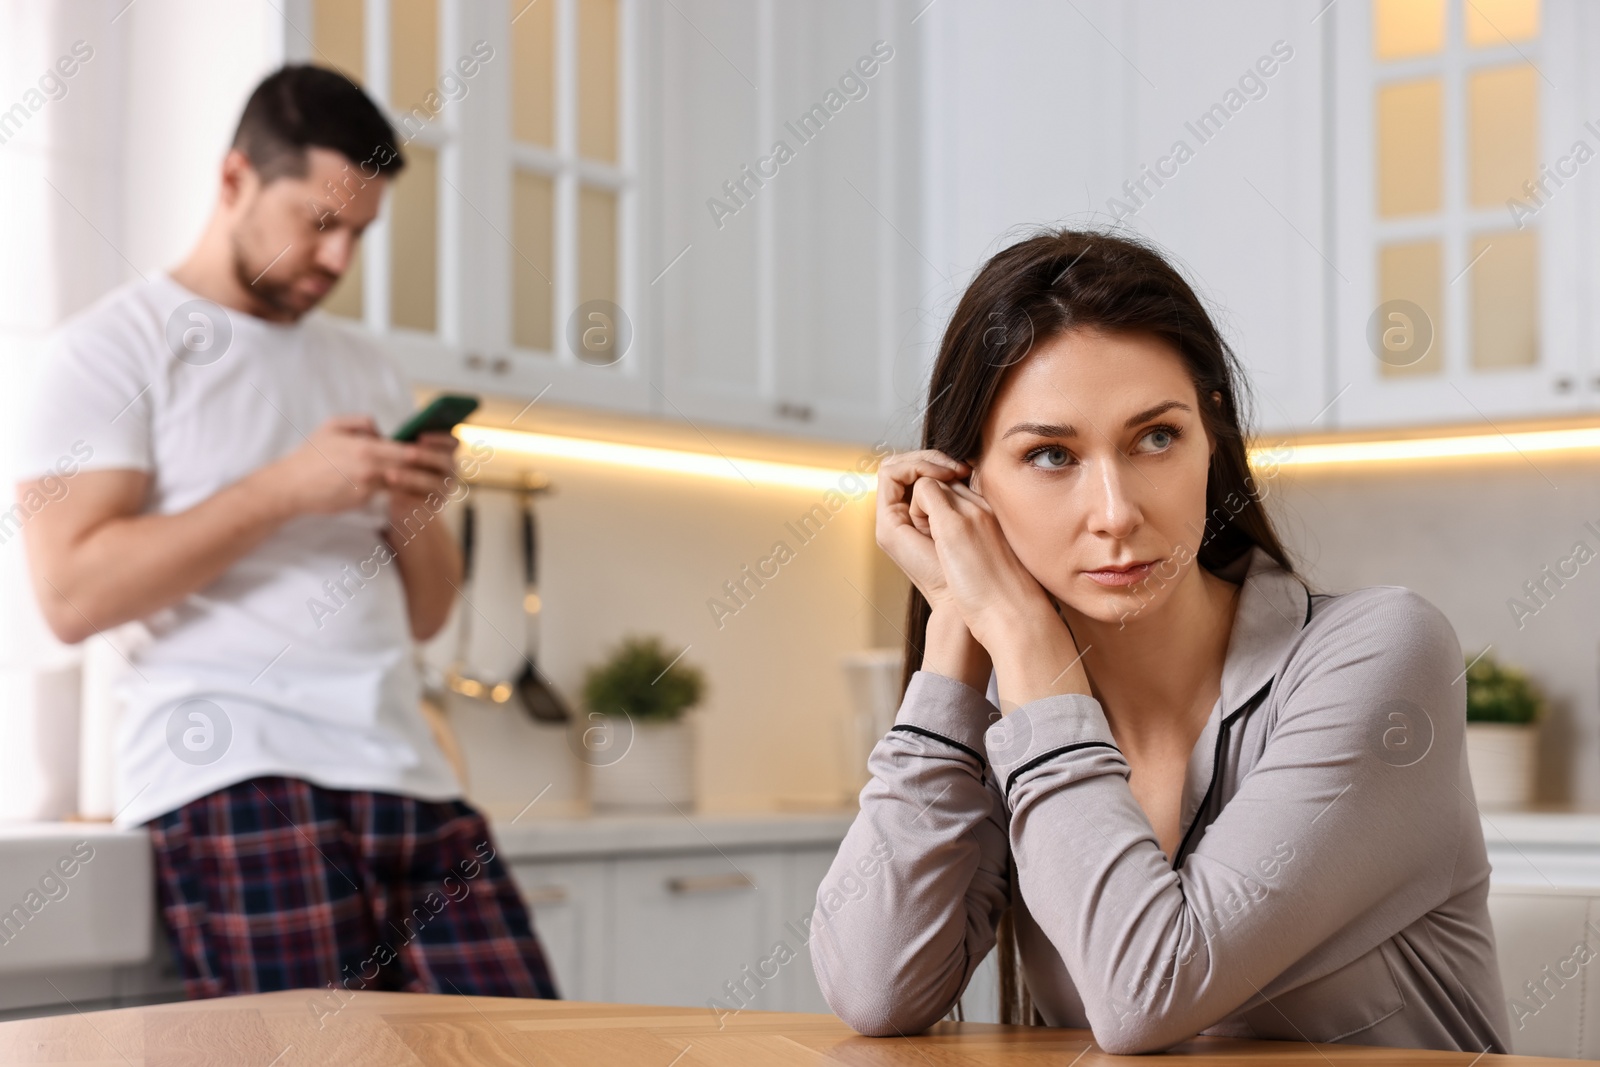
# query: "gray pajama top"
[1330,884]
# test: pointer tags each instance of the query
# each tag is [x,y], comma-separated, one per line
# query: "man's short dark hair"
[303,106]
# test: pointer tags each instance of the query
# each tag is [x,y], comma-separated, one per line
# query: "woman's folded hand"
[909,545]
[1005,608]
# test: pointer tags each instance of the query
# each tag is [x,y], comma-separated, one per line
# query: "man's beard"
[277,295]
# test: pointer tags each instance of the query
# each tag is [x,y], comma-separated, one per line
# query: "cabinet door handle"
[546,894]
[711,883]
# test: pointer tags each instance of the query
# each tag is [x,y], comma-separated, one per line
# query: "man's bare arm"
[97,562]
[430,569]
[427,555]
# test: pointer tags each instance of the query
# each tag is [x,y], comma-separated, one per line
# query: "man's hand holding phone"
[429,465]
[346,460]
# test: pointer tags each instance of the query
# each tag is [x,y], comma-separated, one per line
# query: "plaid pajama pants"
[275,883]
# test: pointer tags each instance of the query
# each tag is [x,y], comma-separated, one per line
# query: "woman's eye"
[1160,439]
[1052,458]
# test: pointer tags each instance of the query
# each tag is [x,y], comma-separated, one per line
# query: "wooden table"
[406,1030]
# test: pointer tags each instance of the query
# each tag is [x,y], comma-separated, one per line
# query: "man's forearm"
[132,567]
[430,568]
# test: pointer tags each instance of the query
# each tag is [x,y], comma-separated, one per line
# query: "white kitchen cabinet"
[1041,113]
[677,929]
[1068,115]
[1225,173]
[497,256]
[666,910]
[786,313]
[840,218]
[804,296]
[1470,237]
[709,281]
[789,187]
[570,912]
[688,928]
[797,984]
[485,256]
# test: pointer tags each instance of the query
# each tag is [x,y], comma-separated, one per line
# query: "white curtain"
[106,176]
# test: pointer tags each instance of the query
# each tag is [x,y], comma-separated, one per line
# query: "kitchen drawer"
[798,982]
[74,895]
[571,916]
[687,927]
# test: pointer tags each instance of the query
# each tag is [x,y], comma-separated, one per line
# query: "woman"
[1200,798]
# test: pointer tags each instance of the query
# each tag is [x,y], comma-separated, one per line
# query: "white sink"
[74,895]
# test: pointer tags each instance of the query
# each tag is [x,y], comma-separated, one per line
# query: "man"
[236,468]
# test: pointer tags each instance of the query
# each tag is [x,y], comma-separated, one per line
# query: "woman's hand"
[982,577]
[948,648]
[909,546]
[1004,607]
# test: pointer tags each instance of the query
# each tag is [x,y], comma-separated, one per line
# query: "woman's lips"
[1122,576]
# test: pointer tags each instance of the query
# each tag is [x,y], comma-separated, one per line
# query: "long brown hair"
[1031,292]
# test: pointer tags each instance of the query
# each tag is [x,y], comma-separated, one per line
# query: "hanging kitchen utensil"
[456,680]
[542,702]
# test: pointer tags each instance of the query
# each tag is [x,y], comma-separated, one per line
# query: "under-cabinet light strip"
[801,476]
[1521,442]
[643,457]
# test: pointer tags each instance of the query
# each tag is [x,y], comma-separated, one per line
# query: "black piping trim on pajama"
[1011,780]
[1222,737]
[952,742]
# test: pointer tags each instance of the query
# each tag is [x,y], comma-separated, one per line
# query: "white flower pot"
[655,772]
[1502,759]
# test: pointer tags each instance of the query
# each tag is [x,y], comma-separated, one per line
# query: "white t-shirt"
[298,659]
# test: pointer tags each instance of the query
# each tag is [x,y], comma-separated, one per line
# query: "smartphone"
[439,416]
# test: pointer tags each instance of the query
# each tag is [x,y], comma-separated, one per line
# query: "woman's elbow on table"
[1122,1029]
[884,1019]
[1123,1040]
[873,996]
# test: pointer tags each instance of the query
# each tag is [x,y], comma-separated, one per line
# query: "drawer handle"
[713,883]
[546,894]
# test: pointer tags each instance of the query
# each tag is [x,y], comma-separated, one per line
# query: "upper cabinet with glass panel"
[338,38]
[1445,275]
[391,47]
[1456,135]
[571,177]
[515,216]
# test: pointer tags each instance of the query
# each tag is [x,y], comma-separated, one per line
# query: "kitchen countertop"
[596,835]
[533,837]
[1542,827]
[1547,849]
[530,835]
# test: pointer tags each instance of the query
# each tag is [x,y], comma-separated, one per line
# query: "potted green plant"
[636,736]
[1503,713]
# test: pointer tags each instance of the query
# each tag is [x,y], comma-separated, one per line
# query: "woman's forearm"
[908,909]
[950,649]
[1036,657]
